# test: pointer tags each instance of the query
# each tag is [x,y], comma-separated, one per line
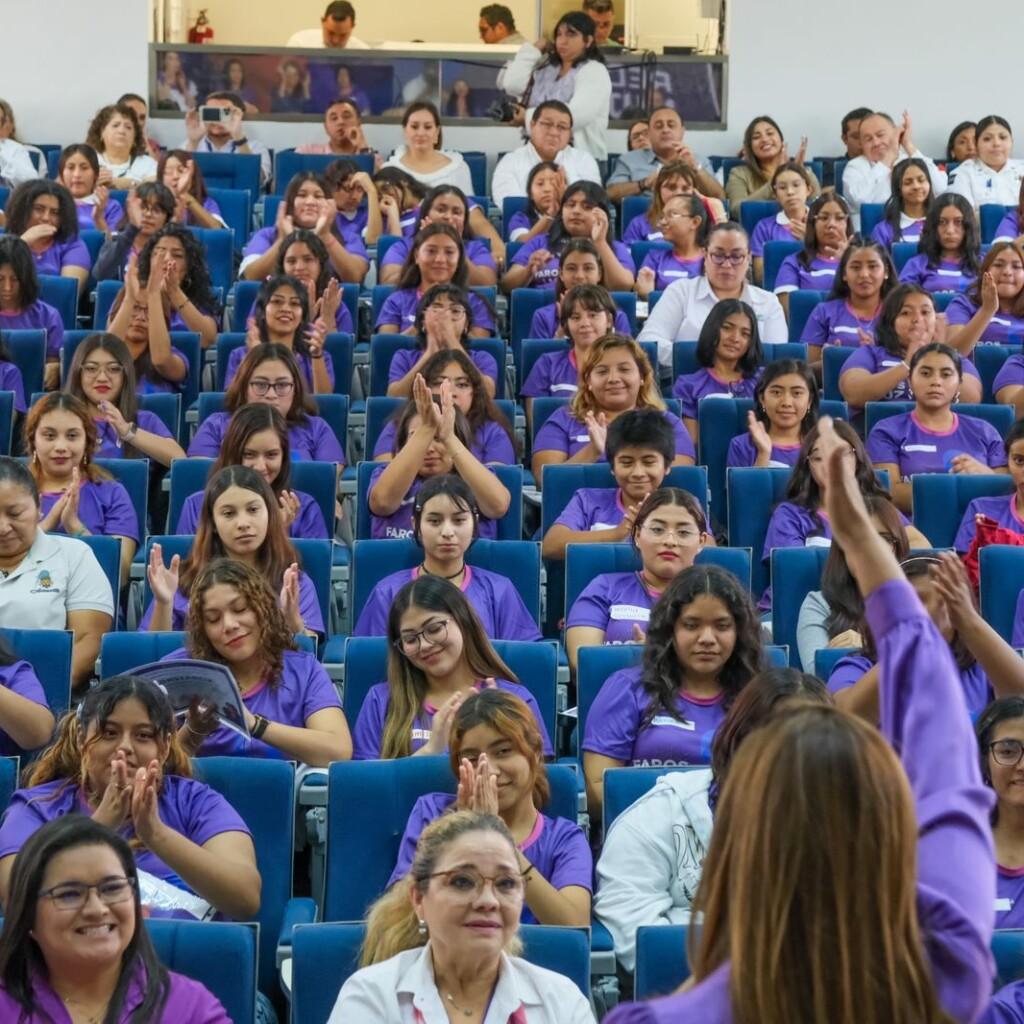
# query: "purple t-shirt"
[308,523]
[613,602]
[640,229]
[562,432]
[491,443]
[614,727]
[399,310]
[309,608]
[519,224]
[1017,639]
[792,274]
[883,234]
[104,508]
[494,598]
[399,523]
[553,375]
[923,717]
[770,229]
[477,252]
[592,508]
[876,359]
[792,526]
[668,268]
[544,324]
[312,440]
[947,276]
[39,316]
[58,255]
[264,238]
[112,447]
[690,388]
[557,848]
[369,727]
[305,365]
[342,324]
[1007,1006]
[405,358]
[186,806]
[113,213]
[1009,897]
[156,384]
[1002,508]
[11,380]
[548,274]
[743,453]
[1010,374]
[352,226]
[20,678]
[834,323]
[303,689]
[1002,329]
[915,449]
[1008,229]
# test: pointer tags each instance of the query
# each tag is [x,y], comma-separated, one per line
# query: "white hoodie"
[651,864]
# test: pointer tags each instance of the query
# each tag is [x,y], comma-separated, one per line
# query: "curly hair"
[662,676]
[20,202]
[94,136]
[196,283]
[62,401]
[275,636]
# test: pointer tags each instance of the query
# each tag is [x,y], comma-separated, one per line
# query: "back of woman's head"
[391,925]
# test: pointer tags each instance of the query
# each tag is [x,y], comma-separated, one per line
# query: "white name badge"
[818,542]
[891,362]
[565,387]
[629,612]
[673,723]
[421,734]
[920,448]
[716,394]
[605,526]
[840,329]
[582,437]
[1003,903]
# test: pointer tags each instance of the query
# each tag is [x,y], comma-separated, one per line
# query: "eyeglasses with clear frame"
[74,895]
[467,884]
[279,387]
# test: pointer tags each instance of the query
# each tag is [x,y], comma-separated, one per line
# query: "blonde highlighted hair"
[648,397]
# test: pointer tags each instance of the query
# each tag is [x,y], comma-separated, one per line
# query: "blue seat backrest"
[753,211]
[752,494]
[221,955]
[62,294]
[4,194]
[6,421]
[384,346]
[133,475]
[624,786]
[1008,951]
[93,241]
[108,553]
[320,481]
[626,302]
[988,360]
[339,346]
[106,292]
[833,358]
[188,476]
[990,214]
[801,302]
[236,209]
[941,499]
[121,652]
[684,355]
[870,216]
[662,963]
[219,246]
[523,303]
[801,570]
[640,250]
[1002,576]
[902,252]
[49,653]
[510,206]
[231,170]
[1000,416]
[826,659]
[315,559]
[245,297]
[775,253]
[9,767]
[632,207]
[288,163]
[532,350]
[28,352]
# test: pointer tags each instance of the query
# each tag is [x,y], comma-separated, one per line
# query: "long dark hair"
[951,141]
[930,244]
[810,250]
[253,419]
[584,24]
[662,676]
[558,237]
[456,296]
[197,186]
[302,406]
[1005,709]
[196,283]
[411,276]
[452,487]
[532,213]
[312,240]
[437,192]
[127,402]
[782,368]
[894,204]
[707,342]
[20,957]
[20,202]
[840,289]
[580,245]
[291,193]
[748,152]
[17,254]
[299,344]
[885,329]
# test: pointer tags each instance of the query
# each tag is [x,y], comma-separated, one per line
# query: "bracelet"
[196,732]
[178,309]
[260,727]
[525,875]
[903,362]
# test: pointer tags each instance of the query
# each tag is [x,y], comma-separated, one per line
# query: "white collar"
[43,547]
[781,218]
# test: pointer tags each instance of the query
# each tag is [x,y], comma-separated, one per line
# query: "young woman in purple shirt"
[684,224]
[497,754]
[949,249]
[66,956]
[302,255]
[436,256]
[880,372]
[674,179]
[936,909]
[270,374]
[76,497]
[432,438]
[20,306]
[829,230]
[400,195]
[444,204]
[669,531]
[42,213]
[730,356]
[78,170]
[933,438]
[907,207]
[785,410]
[438,656]
[180,172]
[117,759]
[703,646]
[544,187]
[791,187]
[1006,509]
[291,707]
[257,437]
[584,213]
[445,522]
[444,319]
[864,278]
[10,377]
[991,311]
[240,518]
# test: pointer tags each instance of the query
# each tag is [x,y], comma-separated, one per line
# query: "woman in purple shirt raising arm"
[67,956]
[899,895]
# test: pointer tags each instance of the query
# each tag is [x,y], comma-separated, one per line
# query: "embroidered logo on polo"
[45,584]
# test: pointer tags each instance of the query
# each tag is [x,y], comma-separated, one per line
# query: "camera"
[213,115]
[502,110]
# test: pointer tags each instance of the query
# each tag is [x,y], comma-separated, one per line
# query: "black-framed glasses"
[74,895]
[721,258]
[467,884]
[279,387]
[1007,752]
[435,633]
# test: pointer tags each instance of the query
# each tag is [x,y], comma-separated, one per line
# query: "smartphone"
[216,115]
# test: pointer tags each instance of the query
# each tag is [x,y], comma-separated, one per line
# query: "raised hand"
[758,434]
[646,279]
[201,718]
[290,600]
[441,726]
[598,225]
[252,333]
[316,336]
[950,579]
[325,219]
[539,259]
[428,412]
[184,183]
[144,794]
[133,207]
[163,580]
[331,303]
[597,428]
[104,178]
[69,516]
[941,328]
[99,211]
[115,805]
[906,130]
[194,130]
[111,413]
[39,233]
[53,518]
[446,422]
[290,505]
[801,153]
[283,223]
[638,635]
[629,518]
[989,294]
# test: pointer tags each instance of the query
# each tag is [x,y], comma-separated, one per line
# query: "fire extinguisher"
[201,31]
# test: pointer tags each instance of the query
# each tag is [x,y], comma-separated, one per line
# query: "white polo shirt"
[685,305]
[513,170]
[57,575]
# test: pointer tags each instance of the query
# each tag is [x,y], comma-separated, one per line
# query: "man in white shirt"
[550,135]
[334,33]
[225,136]
[868,178]
[685,304]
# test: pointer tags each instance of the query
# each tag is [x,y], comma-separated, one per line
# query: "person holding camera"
[216,127]
[570,69]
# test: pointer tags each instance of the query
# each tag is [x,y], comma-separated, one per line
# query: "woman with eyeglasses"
[443,943]
[150,207]
[684,224]
[74,945]
[438,654]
